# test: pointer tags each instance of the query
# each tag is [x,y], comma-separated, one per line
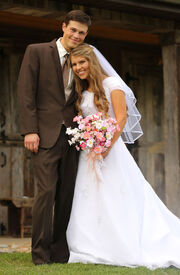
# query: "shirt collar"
[61,49]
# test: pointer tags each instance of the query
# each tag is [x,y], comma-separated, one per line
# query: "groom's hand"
[31,142]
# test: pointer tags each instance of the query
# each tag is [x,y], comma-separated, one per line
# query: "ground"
[17,263]
[9,244]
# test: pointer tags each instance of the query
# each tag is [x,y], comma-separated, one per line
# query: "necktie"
[65,70]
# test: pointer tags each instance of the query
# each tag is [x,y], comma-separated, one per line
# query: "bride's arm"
[120,111]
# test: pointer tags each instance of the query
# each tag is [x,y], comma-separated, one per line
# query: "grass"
[20,263]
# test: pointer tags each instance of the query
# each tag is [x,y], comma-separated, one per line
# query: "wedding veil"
[132,129]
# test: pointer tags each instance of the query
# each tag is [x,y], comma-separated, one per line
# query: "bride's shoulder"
[111,82]
[110,79]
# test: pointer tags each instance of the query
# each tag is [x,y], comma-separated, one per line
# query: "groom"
[47,106]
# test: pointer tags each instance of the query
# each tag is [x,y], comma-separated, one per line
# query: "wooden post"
[22,223]
[171,72]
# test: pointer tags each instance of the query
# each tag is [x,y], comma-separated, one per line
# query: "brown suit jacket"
[41,96]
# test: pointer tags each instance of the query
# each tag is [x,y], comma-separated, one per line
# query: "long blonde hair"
[96,74]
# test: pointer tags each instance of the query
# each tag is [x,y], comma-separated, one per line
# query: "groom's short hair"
[79,16]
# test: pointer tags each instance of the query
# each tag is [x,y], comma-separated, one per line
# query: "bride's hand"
[97,156]
[104,154]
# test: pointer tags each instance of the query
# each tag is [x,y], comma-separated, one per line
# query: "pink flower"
[83,145]
[85,120]
[77,118]
[102,143]
[86,135]
[108,143]
[88,128]
[77,148]
[81,126]
[95,117]
[100,136]
[111,129]
[98,149]
[99,114]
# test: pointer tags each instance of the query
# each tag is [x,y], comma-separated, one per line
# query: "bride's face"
[80,66]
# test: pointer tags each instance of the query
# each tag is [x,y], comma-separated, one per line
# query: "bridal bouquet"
[93,133]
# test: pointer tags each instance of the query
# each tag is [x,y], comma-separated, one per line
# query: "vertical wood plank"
[28,175]
[17,172]
[4,93]
[4,217]
[15,62]
[171,71]
[5,172]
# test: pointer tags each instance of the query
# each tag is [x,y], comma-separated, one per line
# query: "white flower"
[108,135]
[70,143]
[98,125]
[77,136]
[68,131]
[74,131]
[73,140]
[90,143]
[96,116]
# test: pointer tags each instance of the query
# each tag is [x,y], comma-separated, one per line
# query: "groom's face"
[74,34]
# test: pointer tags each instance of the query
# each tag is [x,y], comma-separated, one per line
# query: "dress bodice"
[87,104]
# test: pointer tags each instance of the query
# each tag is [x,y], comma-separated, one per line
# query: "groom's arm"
[27,92]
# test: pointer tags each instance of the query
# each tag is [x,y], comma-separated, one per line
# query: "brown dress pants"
[55,171]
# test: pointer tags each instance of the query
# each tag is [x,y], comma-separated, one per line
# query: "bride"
[118,220]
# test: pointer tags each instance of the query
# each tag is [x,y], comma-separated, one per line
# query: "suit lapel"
[57,63]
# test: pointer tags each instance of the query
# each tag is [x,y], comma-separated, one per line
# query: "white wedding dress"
[119,220]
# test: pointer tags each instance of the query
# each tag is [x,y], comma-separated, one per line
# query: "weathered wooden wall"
[171,59]
[146,80]
[16,176]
